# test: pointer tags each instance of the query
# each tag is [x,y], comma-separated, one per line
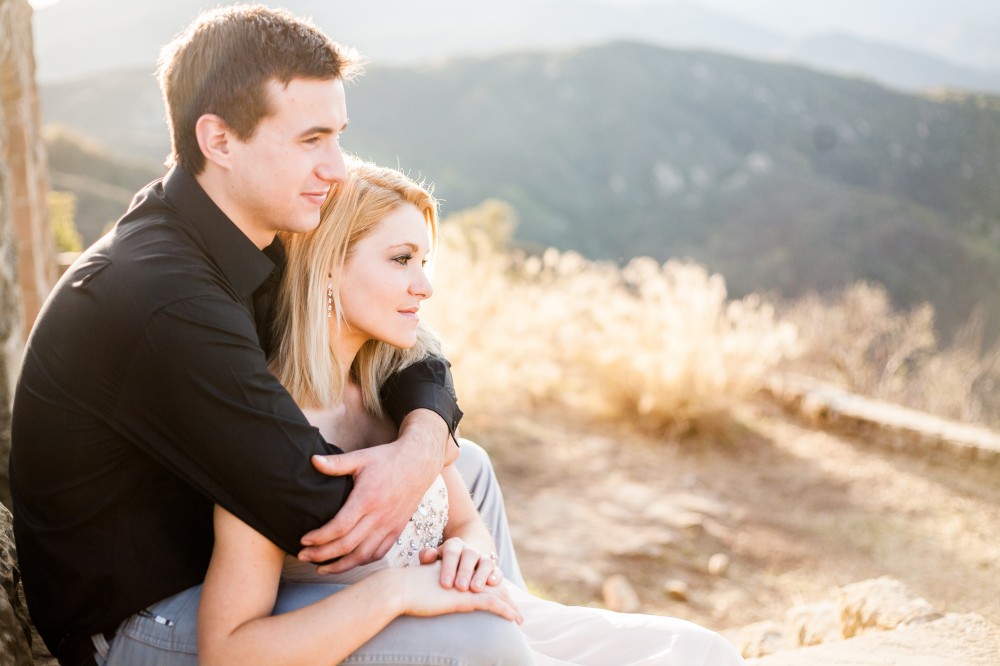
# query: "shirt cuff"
[426,384]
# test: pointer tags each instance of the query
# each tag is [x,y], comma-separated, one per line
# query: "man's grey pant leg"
[166,635]
[476,469]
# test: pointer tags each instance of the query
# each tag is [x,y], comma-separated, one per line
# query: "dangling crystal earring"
[329,301]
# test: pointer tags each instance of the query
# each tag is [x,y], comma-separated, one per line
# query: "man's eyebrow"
[318,129]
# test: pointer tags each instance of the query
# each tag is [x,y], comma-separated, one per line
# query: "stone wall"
[27,253]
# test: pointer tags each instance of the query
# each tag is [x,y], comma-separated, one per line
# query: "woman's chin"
[401,341]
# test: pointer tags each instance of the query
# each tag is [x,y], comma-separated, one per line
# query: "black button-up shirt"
[144,398]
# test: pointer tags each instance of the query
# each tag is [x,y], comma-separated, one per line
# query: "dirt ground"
[798,512]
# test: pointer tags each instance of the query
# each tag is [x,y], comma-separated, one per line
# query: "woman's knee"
[492,641]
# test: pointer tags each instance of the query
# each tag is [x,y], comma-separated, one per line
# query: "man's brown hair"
[221,64]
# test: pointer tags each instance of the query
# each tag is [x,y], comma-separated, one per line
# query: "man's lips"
[316,197]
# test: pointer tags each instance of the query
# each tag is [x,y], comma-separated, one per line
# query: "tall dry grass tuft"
[655,344]
[858,339]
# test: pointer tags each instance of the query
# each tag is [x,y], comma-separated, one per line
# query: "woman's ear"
[214,136]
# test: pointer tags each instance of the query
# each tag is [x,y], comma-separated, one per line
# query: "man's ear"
[214,137]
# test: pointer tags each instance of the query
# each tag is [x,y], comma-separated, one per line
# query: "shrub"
[656,344]
[856,338]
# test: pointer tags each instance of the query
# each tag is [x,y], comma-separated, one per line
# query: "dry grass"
[661,346]
[857,339]
[657,345]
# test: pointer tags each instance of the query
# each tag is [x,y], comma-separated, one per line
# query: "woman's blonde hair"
[305,360]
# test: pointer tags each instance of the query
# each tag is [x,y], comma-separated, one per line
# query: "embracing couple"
[233,442]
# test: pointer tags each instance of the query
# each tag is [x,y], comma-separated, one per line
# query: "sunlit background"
[798,150]
[656,212]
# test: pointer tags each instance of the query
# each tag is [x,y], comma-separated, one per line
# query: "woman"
[347,319]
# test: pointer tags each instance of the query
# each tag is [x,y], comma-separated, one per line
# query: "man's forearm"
[426,430]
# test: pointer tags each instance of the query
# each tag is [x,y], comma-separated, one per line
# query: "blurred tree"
[62,212]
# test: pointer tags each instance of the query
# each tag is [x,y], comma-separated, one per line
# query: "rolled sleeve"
[427,384]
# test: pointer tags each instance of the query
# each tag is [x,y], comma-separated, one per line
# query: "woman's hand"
[423,595]
[463,566]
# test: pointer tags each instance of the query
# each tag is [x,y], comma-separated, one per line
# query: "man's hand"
[389,481]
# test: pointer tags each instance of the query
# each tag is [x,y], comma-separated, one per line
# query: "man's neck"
[217,190]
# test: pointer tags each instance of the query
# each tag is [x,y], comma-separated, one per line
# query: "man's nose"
[333,169]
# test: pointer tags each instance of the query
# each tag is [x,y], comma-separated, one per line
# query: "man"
[144,396]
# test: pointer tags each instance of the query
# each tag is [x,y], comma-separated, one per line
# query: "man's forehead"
[312,101]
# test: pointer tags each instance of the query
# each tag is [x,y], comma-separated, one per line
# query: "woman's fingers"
[428,555]
[424,596]
[487,573]
[451,555]
[500,605]
[463,567]
[467,566]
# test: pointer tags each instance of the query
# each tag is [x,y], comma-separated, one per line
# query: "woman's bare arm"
[235,625]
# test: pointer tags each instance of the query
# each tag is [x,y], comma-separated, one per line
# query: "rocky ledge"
[871,623]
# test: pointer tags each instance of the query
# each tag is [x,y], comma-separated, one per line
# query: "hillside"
[102,183]
[779,177]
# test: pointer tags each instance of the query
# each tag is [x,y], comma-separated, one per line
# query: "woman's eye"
[403,259]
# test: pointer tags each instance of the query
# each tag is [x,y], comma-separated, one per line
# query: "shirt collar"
[242,262]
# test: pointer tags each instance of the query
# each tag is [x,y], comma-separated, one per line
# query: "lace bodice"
[425,530]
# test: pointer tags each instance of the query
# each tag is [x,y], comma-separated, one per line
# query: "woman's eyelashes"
[405,259]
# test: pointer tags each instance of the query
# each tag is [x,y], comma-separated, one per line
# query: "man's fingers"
[345,522]
[365,552]
[340,464]
[384,547]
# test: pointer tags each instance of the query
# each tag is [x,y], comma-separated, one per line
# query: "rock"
[718,564]
[951,640]
[873,623]
[15,627]
[619,595]
[676,590]
[759,639]
[880,604]
[812,624]
[14,648]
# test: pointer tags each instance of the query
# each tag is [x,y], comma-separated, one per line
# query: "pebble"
[619,595]
[677,590]
[718,564]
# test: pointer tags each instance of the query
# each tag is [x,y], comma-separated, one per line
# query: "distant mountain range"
[779,177]
[76,38]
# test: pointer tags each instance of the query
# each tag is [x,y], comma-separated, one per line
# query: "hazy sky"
[874,18]
[942,26]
